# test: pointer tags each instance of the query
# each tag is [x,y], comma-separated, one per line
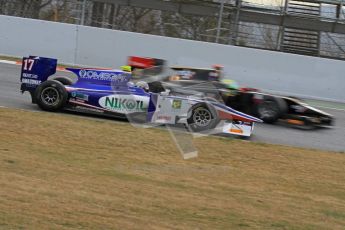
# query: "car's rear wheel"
[271,109]
[63,80]
[51,96]
[202,118]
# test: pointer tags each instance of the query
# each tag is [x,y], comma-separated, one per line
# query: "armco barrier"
[72,44]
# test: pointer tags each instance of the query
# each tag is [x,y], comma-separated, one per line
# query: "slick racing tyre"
[203,117]
[271,109]
[51,96]
[63,80]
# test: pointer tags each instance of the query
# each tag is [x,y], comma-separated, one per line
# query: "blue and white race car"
[111,92]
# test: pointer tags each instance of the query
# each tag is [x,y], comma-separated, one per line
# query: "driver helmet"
[218,71]
[231,84]
[126,68]
[218,67]
[143,85]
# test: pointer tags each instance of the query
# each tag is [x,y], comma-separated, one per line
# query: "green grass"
[335,214]
[60,171]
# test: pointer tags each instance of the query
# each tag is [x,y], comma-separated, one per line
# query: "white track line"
[8,62]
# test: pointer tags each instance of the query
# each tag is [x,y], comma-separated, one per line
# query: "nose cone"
[258,120]
[253,119]
[231,114]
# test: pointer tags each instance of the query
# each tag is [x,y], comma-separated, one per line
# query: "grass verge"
[64,172]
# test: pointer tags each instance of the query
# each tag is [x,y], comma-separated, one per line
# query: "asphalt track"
[324,139]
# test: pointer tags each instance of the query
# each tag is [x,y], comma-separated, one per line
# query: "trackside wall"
[74,44]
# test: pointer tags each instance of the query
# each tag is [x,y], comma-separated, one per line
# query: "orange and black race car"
[212,83]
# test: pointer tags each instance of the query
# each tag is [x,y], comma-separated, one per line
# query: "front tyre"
[203,118]
[51,96]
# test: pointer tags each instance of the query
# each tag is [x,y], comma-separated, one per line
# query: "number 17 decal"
[28,64]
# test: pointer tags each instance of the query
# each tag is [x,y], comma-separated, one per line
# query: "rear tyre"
[203,117]
[271,109]
[63,80]
[51,96]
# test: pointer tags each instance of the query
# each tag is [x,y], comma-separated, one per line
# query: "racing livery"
[112,92]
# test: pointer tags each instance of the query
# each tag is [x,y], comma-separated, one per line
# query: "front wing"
[174,110]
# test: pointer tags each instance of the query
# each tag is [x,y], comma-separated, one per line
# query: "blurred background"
[314,28]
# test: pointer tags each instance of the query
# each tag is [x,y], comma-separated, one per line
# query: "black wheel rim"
[50,96]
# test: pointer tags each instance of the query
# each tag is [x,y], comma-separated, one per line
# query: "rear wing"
[144,67]
[36,70]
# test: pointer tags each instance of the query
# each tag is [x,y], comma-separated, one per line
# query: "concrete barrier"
[287,73]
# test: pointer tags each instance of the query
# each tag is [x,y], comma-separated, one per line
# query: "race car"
[111,92]
[212,82]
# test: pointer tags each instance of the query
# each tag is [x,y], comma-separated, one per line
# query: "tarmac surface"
[332,139]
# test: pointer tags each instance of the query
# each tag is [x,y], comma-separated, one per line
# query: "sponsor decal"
[239,131]
[104,76]
[186,74]
[29,75]
[125,103]
[164,118]
[31,81]
[80,96]
[176,104]
[213,74]
[298,108]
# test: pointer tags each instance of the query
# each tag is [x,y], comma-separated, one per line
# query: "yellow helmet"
[126,68]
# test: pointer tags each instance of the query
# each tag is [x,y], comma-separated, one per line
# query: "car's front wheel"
[202,118]
[51,96]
